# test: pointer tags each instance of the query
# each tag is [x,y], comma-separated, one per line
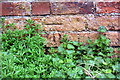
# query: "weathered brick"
[72,23]
[54,38]
[108,7]
[72,7]
[54,28]
[86,7]
[110,22]
[114,37]
[54,23]
[80,22]
[40,8]
[15,8]
[65,23]
[64,8]
[0,9]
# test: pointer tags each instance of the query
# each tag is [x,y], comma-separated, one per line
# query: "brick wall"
[78,18]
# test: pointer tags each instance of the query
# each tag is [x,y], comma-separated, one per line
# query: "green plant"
[23,56]
[93,58]
[24,45]
[102,29]
[23,40]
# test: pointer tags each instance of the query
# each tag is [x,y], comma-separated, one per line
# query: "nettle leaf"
[110,75]
[102,29]
[60,49]
[79,70]
[71,73]
[89,41]
[91,62]
[61,61]
[100,53]
[102,37]
[70,51]
[96,41]
[69,60]
[116,67]
[99,59]
[109,49]
[70,65]
[82,48]
[110,54]
[87,77]
[107,41]
[90,51]
[105,63]
[118,76]
[70,46]
[108,71]
[101,76]
[78,52]
[75,43]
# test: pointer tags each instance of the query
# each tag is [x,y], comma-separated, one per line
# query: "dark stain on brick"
[86,8]
[72,7]
[64,8]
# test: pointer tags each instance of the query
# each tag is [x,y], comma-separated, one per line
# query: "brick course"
[71,22]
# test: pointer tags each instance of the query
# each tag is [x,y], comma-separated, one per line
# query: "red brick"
[114,37]
[0,9]
[40,8]
[71,7]
[108,7]
[110,22]
[64,23]
[15,8]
